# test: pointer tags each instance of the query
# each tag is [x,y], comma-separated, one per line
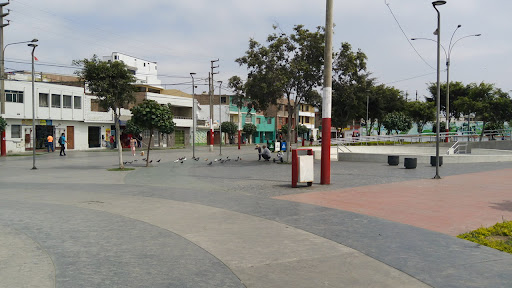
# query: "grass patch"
[498,236]
[119,169]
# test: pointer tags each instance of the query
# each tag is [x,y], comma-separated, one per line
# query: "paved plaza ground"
[72,223]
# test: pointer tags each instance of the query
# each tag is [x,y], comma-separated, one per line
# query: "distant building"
[145,71]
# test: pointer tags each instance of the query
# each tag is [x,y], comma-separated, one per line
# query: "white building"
[145,71]
[59,109]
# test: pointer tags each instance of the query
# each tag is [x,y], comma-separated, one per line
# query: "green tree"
[302,130]
[457,90]
[488,103]
[3,123]
[229,127]
[421,113]
[249,129]
[112,83]
[351,85]
[154,117]
[288,65]
[284,129]
[397,121]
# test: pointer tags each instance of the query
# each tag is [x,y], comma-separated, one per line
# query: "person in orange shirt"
[50,143]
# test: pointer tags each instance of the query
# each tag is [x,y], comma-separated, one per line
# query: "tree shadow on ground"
[503,206]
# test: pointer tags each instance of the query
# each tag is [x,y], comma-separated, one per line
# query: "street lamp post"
[220,118]
[193,117]
[447,54]
[2,84]
[438,33]
[33,110]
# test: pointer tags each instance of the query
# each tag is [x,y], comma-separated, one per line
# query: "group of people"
[62,142]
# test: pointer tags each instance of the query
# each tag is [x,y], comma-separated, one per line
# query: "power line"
[406,37]
[402,80]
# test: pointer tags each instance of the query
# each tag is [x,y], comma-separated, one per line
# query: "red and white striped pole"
[325,172]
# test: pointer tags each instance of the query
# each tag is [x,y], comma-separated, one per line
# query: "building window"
[258,120]
[14,96]
[96,107]
[77,102]
[56,100]
[269,120]
[43,100]
[15,131]
[307,119]
[223,100]
[248,119]
[66,101]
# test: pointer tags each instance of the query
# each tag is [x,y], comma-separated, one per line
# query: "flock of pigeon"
[183,159]
[220,160]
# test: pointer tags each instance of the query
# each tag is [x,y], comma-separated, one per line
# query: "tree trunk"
[149,146]
[118,138]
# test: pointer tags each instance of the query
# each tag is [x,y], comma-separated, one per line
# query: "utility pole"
[212,138]
[2,72]
[2,60]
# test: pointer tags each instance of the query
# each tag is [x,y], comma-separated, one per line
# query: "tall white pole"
[325,172]
[220,118]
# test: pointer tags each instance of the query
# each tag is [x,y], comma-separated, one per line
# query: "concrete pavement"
[194,225]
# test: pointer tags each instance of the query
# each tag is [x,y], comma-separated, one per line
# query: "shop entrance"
[42,132]
[94,137]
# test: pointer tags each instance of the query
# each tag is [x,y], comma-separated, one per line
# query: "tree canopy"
[111,82]
[289,65]
[154,117]
[229,127]
[3,124]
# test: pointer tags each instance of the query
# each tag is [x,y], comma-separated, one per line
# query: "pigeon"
[216,160]
[144,159]
[222,161]
[210,163]
[237,158]
[177,160]
[184,159]
[125,163]
[135,160]
[228,160]
[151,161]
[158,160]
[197,159]
[181,162]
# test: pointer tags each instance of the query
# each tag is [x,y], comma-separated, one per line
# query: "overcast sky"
[182,36]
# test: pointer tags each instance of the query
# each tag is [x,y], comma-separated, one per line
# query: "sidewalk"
[239,224]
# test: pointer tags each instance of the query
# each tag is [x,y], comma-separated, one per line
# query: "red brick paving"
[451,205]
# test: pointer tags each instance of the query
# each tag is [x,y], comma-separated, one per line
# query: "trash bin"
[271,146]
[393,160]
[283,146]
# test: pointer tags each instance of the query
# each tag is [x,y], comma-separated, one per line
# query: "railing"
[465,136]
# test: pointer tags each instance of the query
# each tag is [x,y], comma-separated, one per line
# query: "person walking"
[50,143]
[62,142]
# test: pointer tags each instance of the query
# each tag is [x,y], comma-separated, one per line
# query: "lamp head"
[458,26]
[438,3]
[192,73]
[478,35]
[32,45]
[34,40]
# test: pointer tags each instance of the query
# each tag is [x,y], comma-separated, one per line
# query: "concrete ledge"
[423,158]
